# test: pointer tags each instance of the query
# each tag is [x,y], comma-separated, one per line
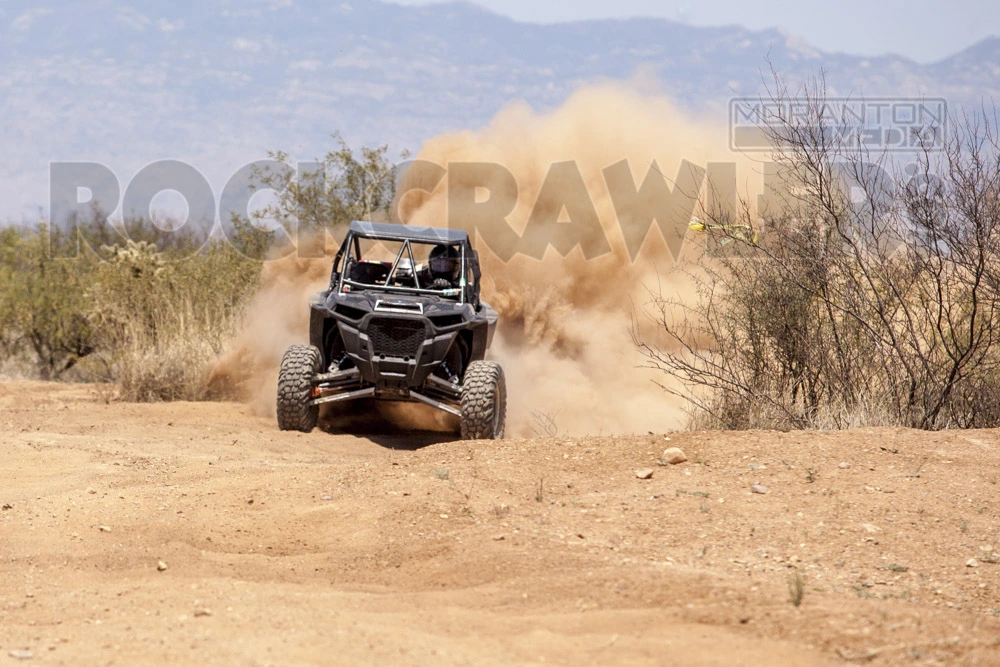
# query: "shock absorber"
[452,378]
[339,364]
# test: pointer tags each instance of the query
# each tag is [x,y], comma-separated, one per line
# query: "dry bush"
[847,314]
[147,318]
[44,328]
[163,323]
[148,311]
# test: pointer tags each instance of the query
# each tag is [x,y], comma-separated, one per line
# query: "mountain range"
[218,83]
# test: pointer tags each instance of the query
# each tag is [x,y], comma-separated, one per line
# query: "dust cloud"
[564,338]
[278,316]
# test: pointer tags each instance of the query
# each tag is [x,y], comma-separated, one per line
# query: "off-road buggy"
[401,321]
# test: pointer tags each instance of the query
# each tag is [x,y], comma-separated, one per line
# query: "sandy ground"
[198,534]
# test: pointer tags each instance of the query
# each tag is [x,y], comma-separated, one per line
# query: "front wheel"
[484,401]
[299,366]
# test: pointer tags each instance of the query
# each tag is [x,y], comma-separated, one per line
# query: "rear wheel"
[484,401]
[299,366]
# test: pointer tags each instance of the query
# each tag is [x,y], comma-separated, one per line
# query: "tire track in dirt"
[285,548]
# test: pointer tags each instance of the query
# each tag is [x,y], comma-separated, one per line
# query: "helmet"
[444,262]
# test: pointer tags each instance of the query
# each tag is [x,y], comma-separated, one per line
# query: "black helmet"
[444,262]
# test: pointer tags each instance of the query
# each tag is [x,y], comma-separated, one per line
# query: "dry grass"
[146,320]
[164,323]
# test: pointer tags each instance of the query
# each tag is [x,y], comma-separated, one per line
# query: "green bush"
[44,303]
[148,311]
[162,323]
[146,320]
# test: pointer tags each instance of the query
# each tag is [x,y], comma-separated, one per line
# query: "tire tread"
[484,394]
[298,367]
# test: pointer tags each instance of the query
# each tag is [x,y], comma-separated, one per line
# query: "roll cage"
[404,274]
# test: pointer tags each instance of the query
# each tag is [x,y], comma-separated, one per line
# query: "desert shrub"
[146,320]
[148,310]
[44,303]
[163,323]
[847,314]
[344,185]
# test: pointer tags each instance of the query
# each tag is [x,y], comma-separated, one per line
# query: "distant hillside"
[126,83]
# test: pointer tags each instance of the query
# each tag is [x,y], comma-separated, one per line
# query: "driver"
[444,261]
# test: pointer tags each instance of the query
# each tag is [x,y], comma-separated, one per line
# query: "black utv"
[401,321]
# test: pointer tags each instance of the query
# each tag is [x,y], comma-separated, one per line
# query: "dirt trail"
[332,548]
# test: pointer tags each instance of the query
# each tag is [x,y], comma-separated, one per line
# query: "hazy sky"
[924,30]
